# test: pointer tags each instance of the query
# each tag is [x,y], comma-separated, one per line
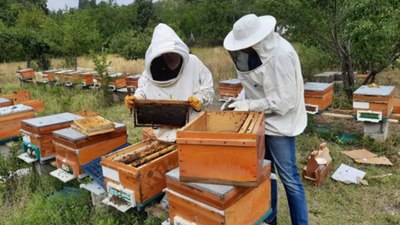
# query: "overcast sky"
[60,4]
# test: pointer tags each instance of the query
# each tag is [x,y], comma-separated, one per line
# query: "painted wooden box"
[61,76]
[318,96]
[49,75]
[36,104]
[38,137]
[11,117]
[72,78]
[133,80]
[229,88]
[87,78]
[5,102]
[17,97]
[118,80]
[75,149]
[135,175]
[222,147]
[207,204]
[373,103]
[26,74]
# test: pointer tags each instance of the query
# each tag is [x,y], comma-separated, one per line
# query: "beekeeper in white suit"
[171,73]
[269,70]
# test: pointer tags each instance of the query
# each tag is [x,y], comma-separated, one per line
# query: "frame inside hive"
[153,113]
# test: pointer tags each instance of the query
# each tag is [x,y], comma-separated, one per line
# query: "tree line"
[357,34]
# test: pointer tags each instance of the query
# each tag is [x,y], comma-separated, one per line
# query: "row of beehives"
[215,151]
[370,103]
[118,80]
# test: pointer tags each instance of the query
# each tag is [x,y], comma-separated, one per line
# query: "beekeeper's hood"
[253,32]
[165,40]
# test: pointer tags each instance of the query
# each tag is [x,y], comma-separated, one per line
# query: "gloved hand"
[195,103]
[129,100]
[240,105]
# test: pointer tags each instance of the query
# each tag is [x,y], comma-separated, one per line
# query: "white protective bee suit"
[193,79]
[275,87]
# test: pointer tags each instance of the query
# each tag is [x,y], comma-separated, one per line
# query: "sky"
[60,4]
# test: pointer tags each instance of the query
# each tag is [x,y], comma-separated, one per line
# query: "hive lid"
[134,76]
[24,70]
[315,86]
[74,135]
[52,119]
[216,189]
[4,100]
[377,91]
[154,113]
[14,109]
[230,81]
[115,75]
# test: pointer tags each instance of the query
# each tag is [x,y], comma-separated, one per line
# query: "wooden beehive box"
[207,204]
[26,74]
[373,103]
[222,147]
[17,97]
[5,102]
[133,80]
[154,113]
[61,76]
[11,117]
[118,80]
[38,137]
[87,78]
[230,88]
[49,75]
[75,149]
[136,174]
[318,96]
[72,78]
[318,165]
[36,104]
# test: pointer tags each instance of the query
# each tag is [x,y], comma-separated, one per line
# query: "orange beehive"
[17,97]
[87,78]
[136,174]
[38,133]
[75,149]
[118,80]
[318,96]
[49,75]
[207,204]
[374,103]
[26,74]
[72,78]
[223,148]
[10,119]
[61,76]
[230,88]
[5,102]
[36,104]
[133,80]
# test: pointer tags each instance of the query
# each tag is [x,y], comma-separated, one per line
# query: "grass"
[38,200]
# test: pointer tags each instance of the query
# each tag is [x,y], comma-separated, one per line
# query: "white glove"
[227,102]
[240,105]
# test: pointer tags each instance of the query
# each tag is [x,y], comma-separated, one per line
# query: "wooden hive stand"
[318,165]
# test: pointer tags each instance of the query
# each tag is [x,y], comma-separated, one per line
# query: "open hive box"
[153,113]
[133,80]
[117,81]
[229,88]
[318,96]
[373,104]
[10,120]
[38,137]
[75,149]
[223,148]
[207,204]
[25,74]
[135,175]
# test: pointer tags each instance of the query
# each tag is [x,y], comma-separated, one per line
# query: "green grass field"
[35,199]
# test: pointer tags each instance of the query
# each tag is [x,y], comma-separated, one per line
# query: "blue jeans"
[282,153]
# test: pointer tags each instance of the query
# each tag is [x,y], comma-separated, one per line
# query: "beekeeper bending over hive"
[171,73]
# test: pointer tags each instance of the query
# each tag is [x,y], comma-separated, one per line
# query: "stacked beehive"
[318,96]
[86,140]
[38,138]
[135,176]
[10,120]
[229,88]
[218,150]
[374,104]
